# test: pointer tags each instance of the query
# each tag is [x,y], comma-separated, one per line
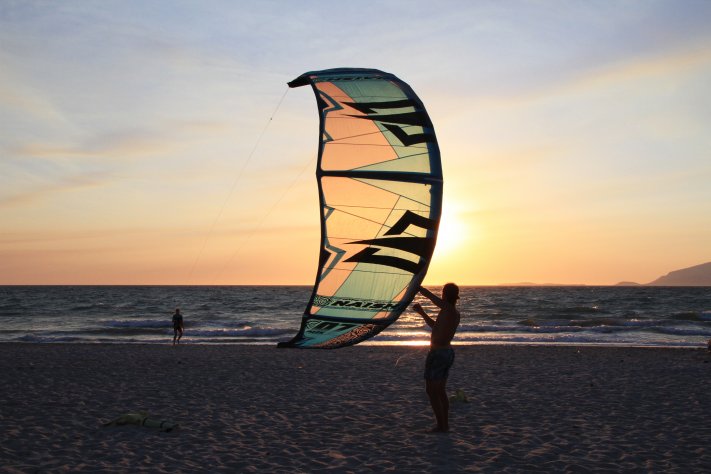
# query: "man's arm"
[418,308]
[439,302]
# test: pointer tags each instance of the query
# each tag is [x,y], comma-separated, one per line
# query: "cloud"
[676,63]
[124,149]
[65,184]
[127,143]
[628,70]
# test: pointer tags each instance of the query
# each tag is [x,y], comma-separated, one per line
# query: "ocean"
[628,316]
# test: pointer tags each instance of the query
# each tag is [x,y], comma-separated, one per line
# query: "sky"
[157,142]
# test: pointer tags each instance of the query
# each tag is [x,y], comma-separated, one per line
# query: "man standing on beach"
[177,326]
[441,355]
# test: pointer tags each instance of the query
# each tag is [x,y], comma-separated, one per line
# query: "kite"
[380,190]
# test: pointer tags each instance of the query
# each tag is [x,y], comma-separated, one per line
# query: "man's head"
[450,293]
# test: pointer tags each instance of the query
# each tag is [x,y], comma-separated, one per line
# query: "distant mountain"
[699,275]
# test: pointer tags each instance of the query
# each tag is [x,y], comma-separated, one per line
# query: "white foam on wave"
[138,323]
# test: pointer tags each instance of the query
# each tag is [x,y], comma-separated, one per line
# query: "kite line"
[234,186]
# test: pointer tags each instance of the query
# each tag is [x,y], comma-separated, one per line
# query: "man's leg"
[444,404]
[438,400]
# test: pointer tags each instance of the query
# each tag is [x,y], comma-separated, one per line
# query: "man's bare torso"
[444,328]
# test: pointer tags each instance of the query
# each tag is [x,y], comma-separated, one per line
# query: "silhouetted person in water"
[441,355]
[177,326]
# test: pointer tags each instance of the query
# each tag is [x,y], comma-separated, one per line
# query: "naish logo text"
[363,304]
[356,304]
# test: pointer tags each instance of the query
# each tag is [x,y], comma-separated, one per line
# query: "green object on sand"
[142,419]
[459,396]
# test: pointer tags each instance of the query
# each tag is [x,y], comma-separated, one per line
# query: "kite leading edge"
[380,190]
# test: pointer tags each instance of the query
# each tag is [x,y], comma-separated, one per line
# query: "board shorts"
[438,363]
[178,323]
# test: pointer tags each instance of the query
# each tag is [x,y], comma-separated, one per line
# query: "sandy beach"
[360,409]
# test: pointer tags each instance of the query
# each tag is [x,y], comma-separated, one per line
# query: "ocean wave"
[139,323]
[562,327]
[676,331]
[689,316]
[47,339]
[222,323]
[545,338]
[593,322]
[88,306]
[246,332]
[578,310]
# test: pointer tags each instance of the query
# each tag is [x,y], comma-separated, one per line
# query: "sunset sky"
[136,145]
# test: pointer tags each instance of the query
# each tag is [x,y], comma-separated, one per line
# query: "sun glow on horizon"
[453,233]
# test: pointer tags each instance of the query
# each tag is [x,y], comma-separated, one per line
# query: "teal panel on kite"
[380,190]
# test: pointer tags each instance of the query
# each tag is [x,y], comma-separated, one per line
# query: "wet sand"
[359,409]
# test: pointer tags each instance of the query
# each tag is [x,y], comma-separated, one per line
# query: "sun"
[453,232]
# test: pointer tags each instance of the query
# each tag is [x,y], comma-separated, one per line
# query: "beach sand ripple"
[359,409]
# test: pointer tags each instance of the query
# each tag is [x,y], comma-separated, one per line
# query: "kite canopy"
[380,189]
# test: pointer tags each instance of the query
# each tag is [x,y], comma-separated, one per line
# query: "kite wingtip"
[299,81]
